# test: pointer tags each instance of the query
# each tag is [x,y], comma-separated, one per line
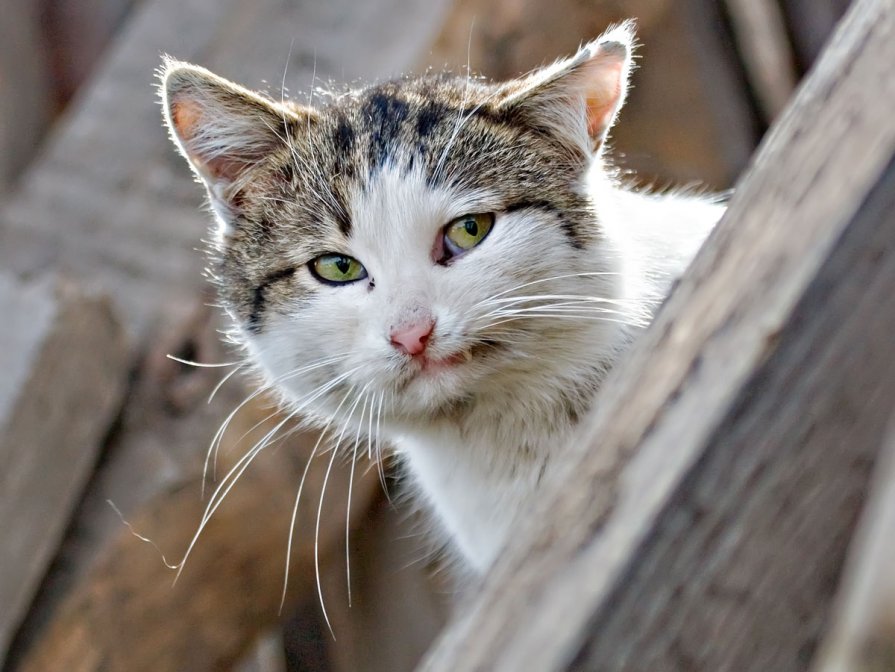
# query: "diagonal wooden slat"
[705,512]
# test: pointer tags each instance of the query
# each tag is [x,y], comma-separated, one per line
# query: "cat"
[447,262]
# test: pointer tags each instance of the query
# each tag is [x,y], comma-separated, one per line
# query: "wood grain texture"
[63,357]
[862,637]
[703,519]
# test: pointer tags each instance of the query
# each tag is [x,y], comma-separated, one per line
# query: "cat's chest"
[479,484]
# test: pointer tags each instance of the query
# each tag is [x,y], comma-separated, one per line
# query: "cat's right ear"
[222,129]
[578,98]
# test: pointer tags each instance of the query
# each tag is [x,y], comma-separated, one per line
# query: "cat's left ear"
[578,98]
[223,130]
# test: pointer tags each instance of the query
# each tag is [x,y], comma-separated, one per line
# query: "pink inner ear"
[186,115]
[603,92]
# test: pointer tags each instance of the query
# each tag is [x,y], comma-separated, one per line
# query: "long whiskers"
[320,505]
[223,381]
[559,315]
[351,485]
[202,365]
[583,274]
[219,435]
[224,488]
[229,481]
[588,304]
[301,486]
[510,300]
[380,468]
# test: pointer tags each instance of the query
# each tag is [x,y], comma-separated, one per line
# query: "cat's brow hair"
[450,129]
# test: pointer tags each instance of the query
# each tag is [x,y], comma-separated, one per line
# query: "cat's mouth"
[435,365]
[438,381]
[429,365]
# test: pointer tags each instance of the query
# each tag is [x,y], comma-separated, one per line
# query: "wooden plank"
[62,354]
[863,632]
[760,31]
[704,515]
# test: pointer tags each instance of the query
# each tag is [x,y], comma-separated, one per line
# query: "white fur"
[478,469]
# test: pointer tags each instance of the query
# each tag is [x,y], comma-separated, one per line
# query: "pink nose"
[412,338]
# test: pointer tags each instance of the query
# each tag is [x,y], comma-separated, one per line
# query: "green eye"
[337,269]
[465,232]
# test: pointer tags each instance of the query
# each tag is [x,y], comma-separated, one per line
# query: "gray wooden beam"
[703,518]
[63,358]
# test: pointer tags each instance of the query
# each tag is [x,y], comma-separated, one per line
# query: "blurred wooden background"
[94,202]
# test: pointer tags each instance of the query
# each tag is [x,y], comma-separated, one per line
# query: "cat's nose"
[412,338]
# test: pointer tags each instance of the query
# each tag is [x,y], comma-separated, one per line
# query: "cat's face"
[415,246]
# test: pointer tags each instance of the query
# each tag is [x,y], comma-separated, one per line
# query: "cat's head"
[415,245]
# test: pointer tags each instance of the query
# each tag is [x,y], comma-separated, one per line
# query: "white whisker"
[301,486]
[378,452]
[584,274]
[320,508]
[201,365]
[223,381]
[350,487]
[593,318]
[564,306]
[219,435]
[224,488]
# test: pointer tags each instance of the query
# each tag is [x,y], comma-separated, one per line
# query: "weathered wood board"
[704,518]
[64,362]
